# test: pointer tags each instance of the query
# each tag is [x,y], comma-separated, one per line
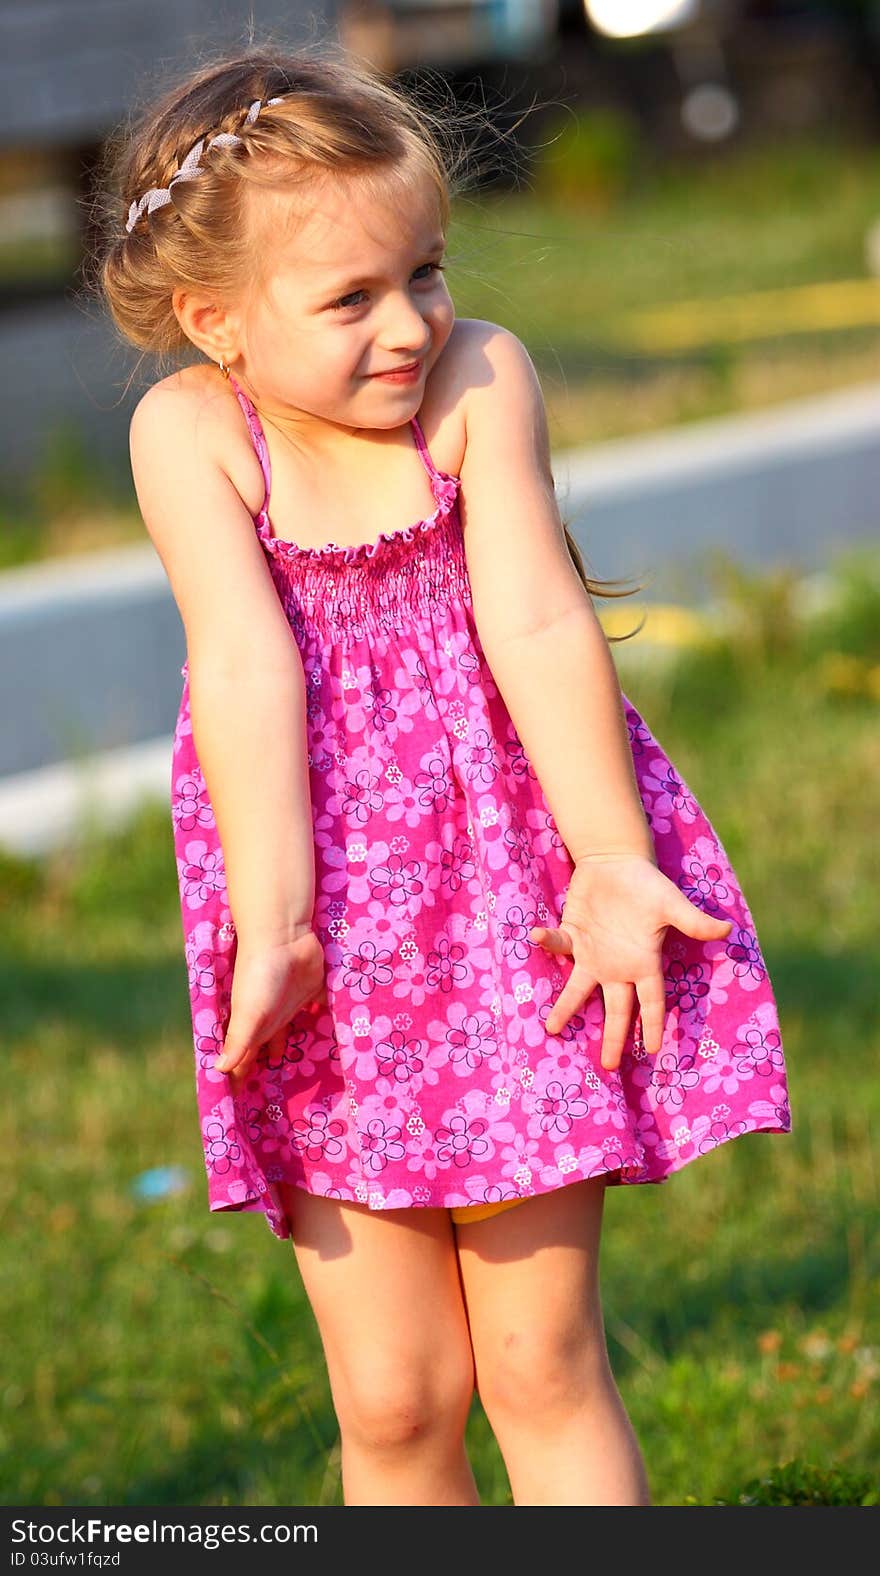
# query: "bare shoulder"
[477,335]
[480,348]
[472,358]
[522,575]
[192,417]
[501,398]
[486,364]
[199,516]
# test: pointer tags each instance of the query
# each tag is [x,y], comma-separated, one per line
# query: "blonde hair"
[336,116]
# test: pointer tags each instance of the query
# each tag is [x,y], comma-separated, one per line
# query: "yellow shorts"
[464,1214]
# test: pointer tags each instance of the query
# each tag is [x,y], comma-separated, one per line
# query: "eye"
[345,301]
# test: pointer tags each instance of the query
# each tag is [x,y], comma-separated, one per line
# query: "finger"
[238,1070]
[276,1045]
[555,939]
[229,1057]
[618,1015]
[576,991]
[240,1073]
[237,1064]
[651,992]
[274,1048]
[693,921]
[237,1043]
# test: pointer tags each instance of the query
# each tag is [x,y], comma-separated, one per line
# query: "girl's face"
[351,288]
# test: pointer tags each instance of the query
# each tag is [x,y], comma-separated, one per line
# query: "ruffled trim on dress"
[358,552]
[444,487]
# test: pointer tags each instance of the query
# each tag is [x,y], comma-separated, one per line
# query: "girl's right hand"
[617,910]
[270,985]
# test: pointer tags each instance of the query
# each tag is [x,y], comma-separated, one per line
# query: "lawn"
[697,294]
[694,293]
[156,1355]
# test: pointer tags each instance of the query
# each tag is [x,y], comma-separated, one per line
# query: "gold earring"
[224,367]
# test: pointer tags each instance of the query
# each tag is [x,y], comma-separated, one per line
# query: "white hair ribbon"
[190,168]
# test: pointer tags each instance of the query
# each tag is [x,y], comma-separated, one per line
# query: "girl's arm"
[550,659]
[544,644]
[247,690]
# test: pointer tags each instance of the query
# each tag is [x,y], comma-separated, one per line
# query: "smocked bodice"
[337,591]
[348,590]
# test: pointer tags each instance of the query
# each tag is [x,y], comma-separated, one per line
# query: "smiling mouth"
[390,371]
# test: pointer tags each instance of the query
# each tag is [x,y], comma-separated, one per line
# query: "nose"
[405,329]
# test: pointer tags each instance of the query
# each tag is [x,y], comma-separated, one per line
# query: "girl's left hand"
[617,910]
[272,981]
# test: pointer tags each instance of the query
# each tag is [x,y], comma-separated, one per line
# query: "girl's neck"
[319,440]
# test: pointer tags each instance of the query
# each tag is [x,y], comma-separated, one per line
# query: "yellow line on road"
[686,325]
[666,623]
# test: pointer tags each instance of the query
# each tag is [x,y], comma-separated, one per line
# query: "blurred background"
[680,217]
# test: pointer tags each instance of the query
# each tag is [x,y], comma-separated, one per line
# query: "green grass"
[155,1354]
[567,280]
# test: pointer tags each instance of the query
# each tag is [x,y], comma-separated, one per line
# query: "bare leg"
[385,1292]
[531,1284]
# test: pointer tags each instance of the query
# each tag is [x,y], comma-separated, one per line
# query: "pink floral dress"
[429,1079]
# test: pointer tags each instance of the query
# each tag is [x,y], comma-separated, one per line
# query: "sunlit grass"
[711,242]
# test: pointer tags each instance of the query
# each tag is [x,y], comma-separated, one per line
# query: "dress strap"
[422,447]
[258,438]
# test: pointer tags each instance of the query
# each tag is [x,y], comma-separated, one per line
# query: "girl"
[463,949]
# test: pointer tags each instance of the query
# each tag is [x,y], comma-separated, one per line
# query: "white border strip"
[46,808]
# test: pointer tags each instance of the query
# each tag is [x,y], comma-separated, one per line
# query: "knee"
[538,1375]
[397,1403]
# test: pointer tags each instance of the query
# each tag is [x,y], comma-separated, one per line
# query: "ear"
[208,325]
